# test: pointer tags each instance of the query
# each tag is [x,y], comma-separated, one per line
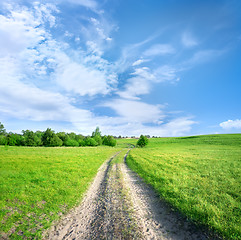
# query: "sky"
[131,67]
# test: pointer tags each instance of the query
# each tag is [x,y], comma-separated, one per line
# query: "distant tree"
[11,139]
[50,139]
[96,135]
[142,141]
[80,139]
[109,141]
[63,136]
[81,142]
[18,139]
[89,141]
[30,138]
[3,140]
[2,129]
[98,140]
[97,132]
[71,143]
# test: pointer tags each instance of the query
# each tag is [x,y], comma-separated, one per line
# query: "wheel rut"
[119,205]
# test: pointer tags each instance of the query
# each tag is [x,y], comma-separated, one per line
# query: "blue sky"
[163,68]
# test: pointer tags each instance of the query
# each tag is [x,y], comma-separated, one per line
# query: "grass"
[38,185]
[126,142]
[200,176]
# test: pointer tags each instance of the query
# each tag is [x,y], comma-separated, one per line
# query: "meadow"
[200,176]
[40,184]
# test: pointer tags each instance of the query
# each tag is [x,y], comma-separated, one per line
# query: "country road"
[119,205]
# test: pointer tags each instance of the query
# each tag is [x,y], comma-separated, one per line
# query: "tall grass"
[38,185]
[200,176]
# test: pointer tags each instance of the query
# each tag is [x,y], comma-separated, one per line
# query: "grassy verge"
[200,176]
[40,184]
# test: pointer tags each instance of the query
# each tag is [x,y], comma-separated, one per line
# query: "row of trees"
[49,138]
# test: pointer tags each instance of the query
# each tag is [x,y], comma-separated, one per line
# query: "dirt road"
[119,205]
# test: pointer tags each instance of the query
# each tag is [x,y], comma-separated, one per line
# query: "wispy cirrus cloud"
[202,56]
[139,62]
[188,40]
[159,49]
[142,79]
[86,3]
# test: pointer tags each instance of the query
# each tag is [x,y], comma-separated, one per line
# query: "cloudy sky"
[131,67]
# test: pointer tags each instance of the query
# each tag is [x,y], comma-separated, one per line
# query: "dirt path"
[119,205]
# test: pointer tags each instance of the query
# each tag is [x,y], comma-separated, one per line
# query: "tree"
[142,141]
[97,132]
[96,135]
[89,141]
[71,143]
[11,139]
[50,139]
[29,138]
[109,141]
[2,129]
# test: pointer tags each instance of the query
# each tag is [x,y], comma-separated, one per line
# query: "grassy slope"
[38,184]
[201,176]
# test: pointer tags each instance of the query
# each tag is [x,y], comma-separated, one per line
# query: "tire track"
[119,205]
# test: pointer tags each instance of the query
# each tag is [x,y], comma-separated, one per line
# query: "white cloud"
[166,73]
[86,3]
[25,101]
[77,78]
[136,111]
[159,49]
[119,126]
[41,77]
[202,56]
[139,62]
[188,40]
[231,124]
[18,31]
[139,84]
[143,79]
[37,56]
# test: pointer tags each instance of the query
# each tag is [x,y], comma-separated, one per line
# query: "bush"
[50,139]
[109,141]
[3,140]
[90,141]
[71,143]
[142,142]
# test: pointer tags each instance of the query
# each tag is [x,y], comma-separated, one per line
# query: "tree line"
[49,138]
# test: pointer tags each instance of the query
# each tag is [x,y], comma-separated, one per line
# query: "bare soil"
[119,205]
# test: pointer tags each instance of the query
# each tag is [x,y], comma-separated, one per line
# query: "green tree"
[2,129]
[29,138]
[142,141]
[50,139]
[11,139]
[109,141]
[89,141]
[96,135]
[63,136]
[3,140]
[97,132]
[71,143]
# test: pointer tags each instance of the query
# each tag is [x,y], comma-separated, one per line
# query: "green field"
[39,184]
[200,176]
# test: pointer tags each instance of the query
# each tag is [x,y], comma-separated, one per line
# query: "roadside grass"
[126,142]
[199,175]
[38,185]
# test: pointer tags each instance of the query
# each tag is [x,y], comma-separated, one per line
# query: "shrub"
[142,142]
[71,143]
[109,141]
[90,141]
